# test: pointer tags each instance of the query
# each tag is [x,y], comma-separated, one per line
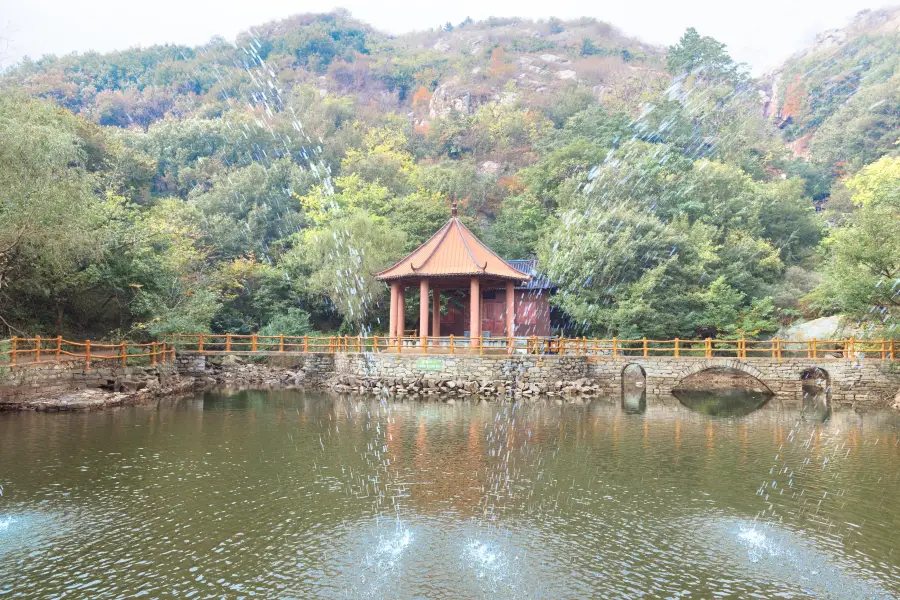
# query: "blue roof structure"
[538,280]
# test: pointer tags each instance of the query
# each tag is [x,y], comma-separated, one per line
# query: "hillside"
[471,63]
[258,185]
[838,101]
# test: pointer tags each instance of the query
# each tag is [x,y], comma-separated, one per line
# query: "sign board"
[429,364]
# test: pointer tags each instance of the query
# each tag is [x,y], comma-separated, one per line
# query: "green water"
[292,495]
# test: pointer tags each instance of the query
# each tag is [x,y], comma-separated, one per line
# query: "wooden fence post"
[124,354]
[852,349]
[480,343]
[253,343]
[615,353]
[87,355]
[281,342]
[12,350]
[708,348]
[452,344]
[813,342]
[37,348]
[58,347]
[676,347]
[306,344]
[778,348]
[645,347]
[200,344]
[892,350]
[227,342]
[375,344]
[883,350]
[153,354]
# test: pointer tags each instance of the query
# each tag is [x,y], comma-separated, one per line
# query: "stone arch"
[634,388]
[706,365]
[815,383]
[636,371]
[815,380]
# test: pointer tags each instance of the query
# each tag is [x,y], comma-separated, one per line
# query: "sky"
[761,33]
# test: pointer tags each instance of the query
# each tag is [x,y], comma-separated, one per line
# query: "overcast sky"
[761,33]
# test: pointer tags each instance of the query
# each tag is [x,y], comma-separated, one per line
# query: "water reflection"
[634,401]
[285,494]
[723,403]
[816,407]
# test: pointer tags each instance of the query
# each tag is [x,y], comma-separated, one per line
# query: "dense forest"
[258,185]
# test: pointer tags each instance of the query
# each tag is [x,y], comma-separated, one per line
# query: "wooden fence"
[740,348]
[19,351]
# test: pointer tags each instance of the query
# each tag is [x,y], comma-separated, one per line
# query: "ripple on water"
[778,556]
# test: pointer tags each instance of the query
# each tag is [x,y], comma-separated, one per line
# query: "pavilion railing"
[22,351]
[777,349]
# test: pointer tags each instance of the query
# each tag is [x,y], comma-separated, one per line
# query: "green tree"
[340,260]
[701,55]
[862,276]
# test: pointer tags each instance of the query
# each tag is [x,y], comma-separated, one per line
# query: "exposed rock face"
[489,167]
[825,328]
[554,59]
[452,96]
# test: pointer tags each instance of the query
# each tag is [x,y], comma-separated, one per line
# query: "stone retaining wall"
[33,381]
[271,369]
[865,382]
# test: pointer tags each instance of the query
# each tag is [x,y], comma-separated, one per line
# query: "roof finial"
[453,211]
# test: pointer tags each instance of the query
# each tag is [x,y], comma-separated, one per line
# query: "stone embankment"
[69,386]
[467,375]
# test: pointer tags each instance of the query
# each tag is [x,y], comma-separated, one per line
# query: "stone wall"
[33,381]
[462,374]
[268,369]
[866,382]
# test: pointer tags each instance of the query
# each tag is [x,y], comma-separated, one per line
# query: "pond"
[284,494]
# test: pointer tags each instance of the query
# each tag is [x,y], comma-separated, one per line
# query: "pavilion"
[454,259]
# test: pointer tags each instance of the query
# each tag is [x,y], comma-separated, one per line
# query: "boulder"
[230,360]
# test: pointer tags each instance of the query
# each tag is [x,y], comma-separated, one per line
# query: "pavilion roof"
[451,252]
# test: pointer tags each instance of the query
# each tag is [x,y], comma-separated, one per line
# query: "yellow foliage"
[383,141]
[874,182]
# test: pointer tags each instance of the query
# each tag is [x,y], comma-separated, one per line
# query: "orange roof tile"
[453,251]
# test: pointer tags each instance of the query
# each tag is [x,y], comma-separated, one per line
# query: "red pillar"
[436,313]
[423,310]
[401,311]
[395,291]
[510,309]
[475,311]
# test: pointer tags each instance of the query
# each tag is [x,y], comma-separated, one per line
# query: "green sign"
[429,364]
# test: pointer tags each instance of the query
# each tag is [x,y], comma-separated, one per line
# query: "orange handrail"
[24,351]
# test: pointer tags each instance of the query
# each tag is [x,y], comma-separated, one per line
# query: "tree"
[703,56]
[862,276]
[341,258]
[48,209]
